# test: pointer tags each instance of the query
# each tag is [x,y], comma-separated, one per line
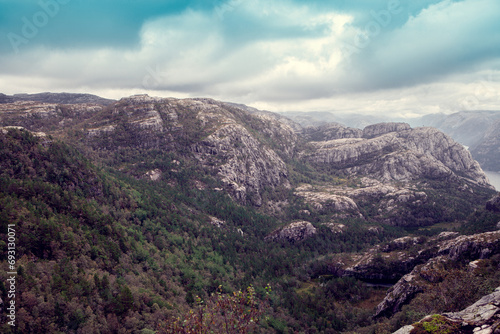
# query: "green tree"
[236,313]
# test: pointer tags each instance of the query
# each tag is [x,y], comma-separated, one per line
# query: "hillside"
[126,212]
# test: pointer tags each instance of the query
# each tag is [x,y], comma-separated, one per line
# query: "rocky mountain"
[320,118]
[251,153]
[394,151]
[477,130]
[466,127]
[57,98]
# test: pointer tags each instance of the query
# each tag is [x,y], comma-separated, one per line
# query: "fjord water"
[494,179]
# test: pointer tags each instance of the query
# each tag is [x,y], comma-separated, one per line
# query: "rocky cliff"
[293,232]
[395,152]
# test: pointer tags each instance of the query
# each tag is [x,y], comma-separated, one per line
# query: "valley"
[130,213]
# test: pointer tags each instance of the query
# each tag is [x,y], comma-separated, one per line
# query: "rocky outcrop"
[388,203]
[375,130]
[324,201]
[293,232]
[46,117]
[482,317]
[331,131]
[401,244]
[471,247]
[250,166]
[153,175]
[465,248]
[336,228]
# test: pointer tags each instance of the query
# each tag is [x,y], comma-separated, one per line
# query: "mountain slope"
[487,152]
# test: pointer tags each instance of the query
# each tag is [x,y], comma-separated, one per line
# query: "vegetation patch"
[437,324]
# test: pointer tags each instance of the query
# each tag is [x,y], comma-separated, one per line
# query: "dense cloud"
[364,56]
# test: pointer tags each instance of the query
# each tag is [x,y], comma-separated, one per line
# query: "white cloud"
[414,68]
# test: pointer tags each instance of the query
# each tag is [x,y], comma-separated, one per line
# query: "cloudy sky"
[403,58]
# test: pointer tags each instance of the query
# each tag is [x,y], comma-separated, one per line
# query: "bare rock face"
[391,204]
[482,315]
[249,165]
[471,247]
[375,130]
[293,232]
[401,244]
[395,152]
[336,228]
[479,318]
[153,175]
[323,200]
[331,132]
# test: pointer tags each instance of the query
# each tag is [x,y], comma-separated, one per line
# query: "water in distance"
[494,179]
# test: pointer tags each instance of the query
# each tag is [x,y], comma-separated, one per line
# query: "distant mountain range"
[479,130]
[59,98]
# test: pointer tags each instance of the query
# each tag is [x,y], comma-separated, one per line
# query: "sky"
[380,57]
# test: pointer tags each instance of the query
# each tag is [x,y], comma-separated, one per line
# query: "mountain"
[129,214]
[477,130]
[319,118]
[59,98]
[487,152]
[466,127]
